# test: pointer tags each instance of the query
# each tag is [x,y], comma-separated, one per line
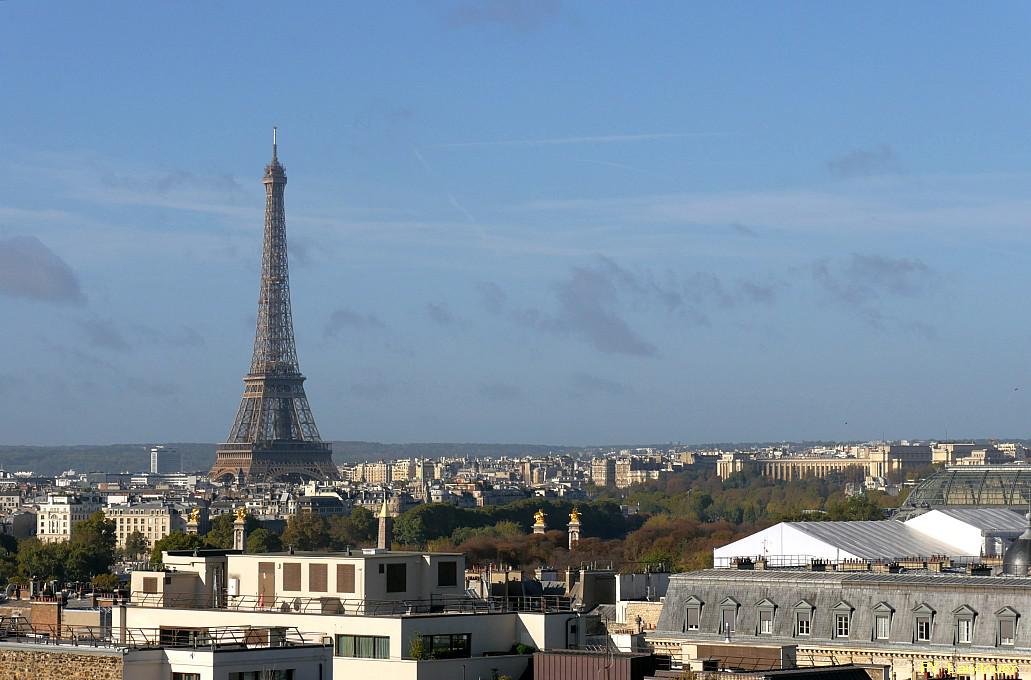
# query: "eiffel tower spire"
[274,436]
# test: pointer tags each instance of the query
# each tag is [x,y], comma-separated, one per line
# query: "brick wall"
[30,664]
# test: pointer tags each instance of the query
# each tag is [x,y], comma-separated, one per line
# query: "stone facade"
[35,663]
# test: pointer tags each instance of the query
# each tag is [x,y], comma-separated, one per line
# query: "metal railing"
[343,606]
[18,629]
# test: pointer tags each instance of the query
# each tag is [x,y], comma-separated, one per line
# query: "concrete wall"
[309,663]
[370,583]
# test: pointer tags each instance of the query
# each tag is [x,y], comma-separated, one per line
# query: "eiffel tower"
[274,437]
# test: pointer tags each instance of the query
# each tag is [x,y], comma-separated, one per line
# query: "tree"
[91,550]
[136,545]
[306,531]
[220,533]
[105,583]
[177,540]
[42,561]
[262,540]
[359,529]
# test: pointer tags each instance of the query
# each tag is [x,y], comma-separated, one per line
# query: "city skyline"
[525,222]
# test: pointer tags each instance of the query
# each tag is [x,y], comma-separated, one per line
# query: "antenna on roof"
[274,142]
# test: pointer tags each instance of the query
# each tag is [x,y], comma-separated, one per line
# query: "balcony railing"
[18,629]
[357,606]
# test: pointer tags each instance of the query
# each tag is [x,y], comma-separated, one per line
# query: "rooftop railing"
[341,606]
[19,630]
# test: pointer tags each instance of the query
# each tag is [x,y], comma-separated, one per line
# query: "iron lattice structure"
[274,436]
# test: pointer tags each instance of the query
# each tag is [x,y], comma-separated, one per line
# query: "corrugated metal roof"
[987,519]
[876,539]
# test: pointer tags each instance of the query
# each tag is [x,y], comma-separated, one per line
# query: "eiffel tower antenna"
[274,436]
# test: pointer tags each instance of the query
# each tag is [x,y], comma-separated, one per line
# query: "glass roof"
[969,485]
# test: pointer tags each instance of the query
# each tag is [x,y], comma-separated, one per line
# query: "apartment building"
[154,520]
[388,614]
[60,513]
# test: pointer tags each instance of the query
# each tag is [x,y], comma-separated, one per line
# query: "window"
[923,628]
[841,625]
[728,615]
[363,646]
[1007,626]
[693,613]
[882,626]
[453,646]
[150,584]
[185,676]
[291,575]
[317,578]
[766,622]
[727,620]
[447,574]
[1006,631]
[397,578]
[345,578]
[263,675]
[802,622]
[964,630]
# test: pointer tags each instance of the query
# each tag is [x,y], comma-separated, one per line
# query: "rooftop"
[845,578]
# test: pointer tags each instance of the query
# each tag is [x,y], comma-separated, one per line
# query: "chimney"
[386,527]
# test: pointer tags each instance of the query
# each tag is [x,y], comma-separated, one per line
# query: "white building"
[402,615]
[59,515]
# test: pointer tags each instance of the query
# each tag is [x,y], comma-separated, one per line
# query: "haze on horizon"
[543,222]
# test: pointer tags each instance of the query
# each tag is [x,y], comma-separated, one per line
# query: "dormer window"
[882,613]
[923,622]
[842,612]
[765,610]
[803,612]
[964,617]
[692,614]
[728,615]
[1006,632]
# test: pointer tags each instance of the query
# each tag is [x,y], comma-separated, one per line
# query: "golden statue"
[241,514]
[574,516]
[538,518]
[195,516]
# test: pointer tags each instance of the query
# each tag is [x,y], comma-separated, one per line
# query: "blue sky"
[558,222]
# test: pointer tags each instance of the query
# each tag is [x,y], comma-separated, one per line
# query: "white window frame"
[964,630]
[923,620]
[766,624]
[1006,615]
[842,623]
[878,619]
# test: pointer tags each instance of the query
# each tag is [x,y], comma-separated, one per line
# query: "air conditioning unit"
[233,587]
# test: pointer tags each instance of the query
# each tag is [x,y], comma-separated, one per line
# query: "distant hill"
[52,460]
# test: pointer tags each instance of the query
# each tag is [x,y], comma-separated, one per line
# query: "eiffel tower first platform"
[274,437]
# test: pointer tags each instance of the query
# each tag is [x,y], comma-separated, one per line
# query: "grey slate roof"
[865,593]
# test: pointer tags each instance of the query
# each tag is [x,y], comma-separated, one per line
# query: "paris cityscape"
[514,340]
